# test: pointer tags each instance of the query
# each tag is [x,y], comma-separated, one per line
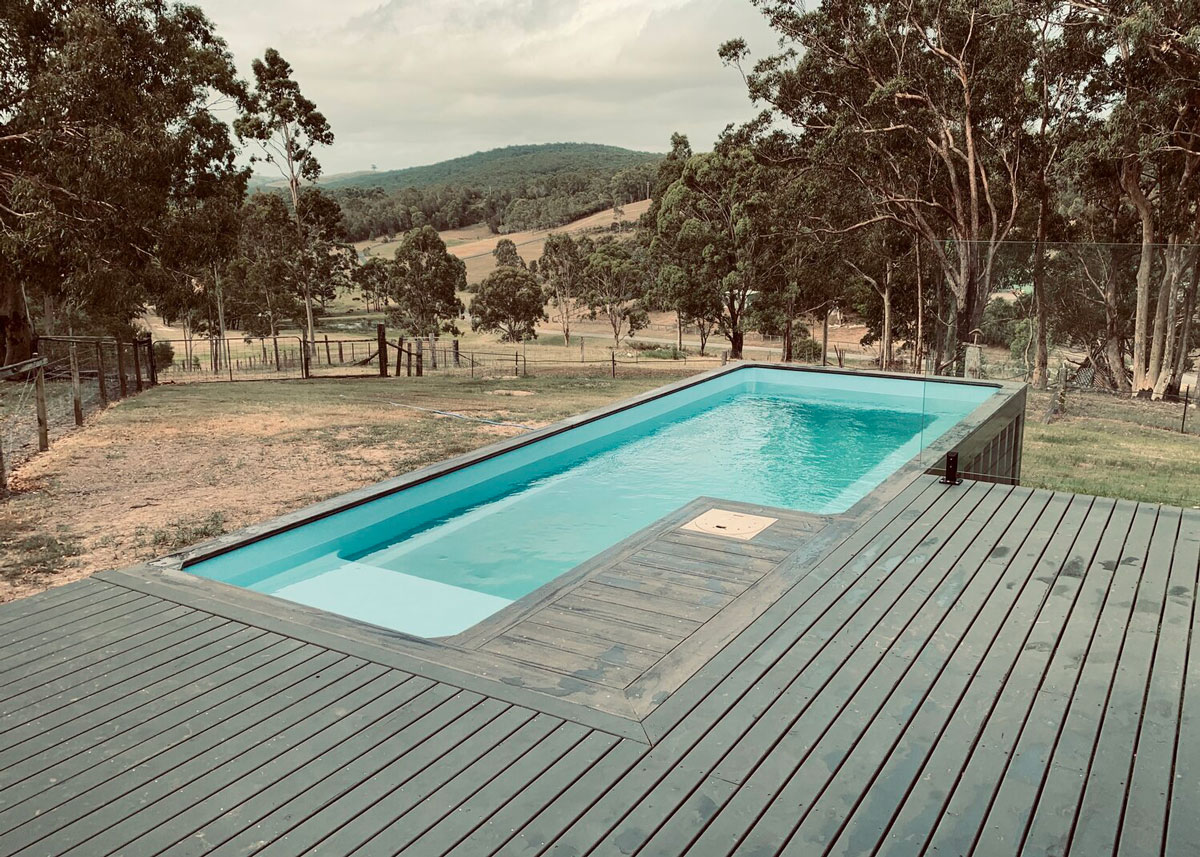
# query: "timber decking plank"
[605,611]
[1099,816]
[718,563]
[662,589]
[560,660]
[94,705]
[582,620]
[1146,806]
[956,661]
[661,763]
[179,801]
[682,615]
[44,635]
[476,721]
[1005,817]
[83,816]
[1054,819]
[1183,821]
[636,571]
[798,748]
[914,785]
[21,610]
[737,548]
[613,650]
[500,826]
[441,815]
[154,647]
[78,661]
[894,518]
[75,769]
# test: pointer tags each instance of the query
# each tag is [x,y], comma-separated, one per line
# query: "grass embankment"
[180,464]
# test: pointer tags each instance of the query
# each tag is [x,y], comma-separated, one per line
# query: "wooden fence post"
[381,336]
[137,367]
[341,354]
[42,420]
[454,346]
[76,395]
[151,362]
[614,364]
[121,369]
[328,355]
[420,359]
[432,351]
[409,355]
[100,373]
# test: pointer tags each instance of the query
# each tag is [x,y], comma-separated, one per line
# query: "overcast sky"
[407,82]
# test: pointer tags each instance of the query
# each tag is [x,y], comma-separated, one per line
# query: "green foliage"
[615,287]
[164,354]
[1001,319]
[511,189]
[509,300]
[506,254]
[423,281]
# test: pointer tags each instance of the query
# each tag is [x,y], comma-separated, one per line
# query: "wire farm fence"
[69,379]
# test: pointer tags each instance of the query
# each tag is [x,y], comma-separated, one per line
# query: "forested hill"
[511,189]
[502,168]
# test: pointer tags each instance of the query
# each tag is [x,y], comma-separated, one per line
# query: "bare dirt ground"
[184,463]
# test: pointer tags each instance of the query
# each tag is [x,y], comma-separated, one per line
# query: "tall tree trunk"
[919,346]
[1185,328]
[1162,339]
[787,341]
[1113,352]
[736,339]
[1130,181]
[885,345]
[1041,359]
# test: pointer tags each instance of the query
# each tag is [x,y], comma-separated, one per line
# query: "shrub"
[164,354]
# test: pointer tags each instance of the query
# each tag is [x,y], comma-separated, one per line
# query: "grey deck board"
[980,669]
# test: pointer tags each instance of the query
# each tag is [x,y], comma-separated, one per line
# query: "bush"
[1001,319]
[660,353]
[164,354]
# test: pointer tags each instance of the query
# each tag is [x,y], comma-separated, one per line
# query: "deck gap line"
[1137,738]
[1071,698]
[981,534]
[657,598]
[450,810]
[572,779]
[504,804]
[57,604]
[283,653]
[195,620]
[384,691]
[466,694]
[58,661]
[87,603]
[1003,683]
[1103,716]
[1187,665]
[1049,539]
[103,783]
[90,619]
[220,627]
[50,598]
[1029,710]
[589,637]
[110,802]
[117,848]
[646,572]
[508,706]
[954,503]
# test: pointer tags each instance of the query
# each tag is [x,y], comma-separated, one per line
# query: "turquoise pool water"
[438,557]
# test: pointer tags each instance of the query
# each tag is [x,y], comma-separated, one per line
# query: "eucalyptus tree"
[921,105]
[560,270]
[506,254]
[287,127]
[615,287]
[106,112]
[509,300]
[424,283]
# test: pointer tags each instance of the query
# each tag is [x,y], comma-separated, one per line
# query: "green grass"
[1113,447]
[28,551]
[181,533]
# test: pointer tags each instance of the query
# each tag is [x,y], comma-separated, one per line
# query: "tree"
[424,284]
[287,126]
[106,114]
[614,288]
[506,254]
[929,131]
[561,271]
[509,300]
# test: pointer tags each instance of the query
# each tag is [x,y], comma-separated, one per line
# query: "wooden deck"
[980,669]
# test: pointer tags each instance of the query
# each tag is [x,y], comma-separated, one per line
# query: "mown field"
[182,463]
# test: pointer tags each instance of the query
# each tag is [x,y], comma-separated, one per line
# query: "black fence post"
[1183,423]
[381,336]
[151,363]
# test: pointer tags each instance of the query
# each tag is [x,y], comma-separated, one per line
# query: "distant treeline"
[533,187]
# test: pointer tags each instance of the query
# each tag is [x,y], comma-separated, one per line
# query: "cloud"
[406,82]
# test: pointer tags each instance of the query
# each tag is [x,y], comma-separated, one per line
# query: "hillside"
[500,167]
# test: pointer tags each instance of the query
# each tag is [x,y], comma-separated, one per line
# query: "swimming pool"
[441,555]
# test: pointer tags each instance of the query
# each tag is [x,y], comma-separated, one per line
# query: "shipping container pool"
[435,553]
